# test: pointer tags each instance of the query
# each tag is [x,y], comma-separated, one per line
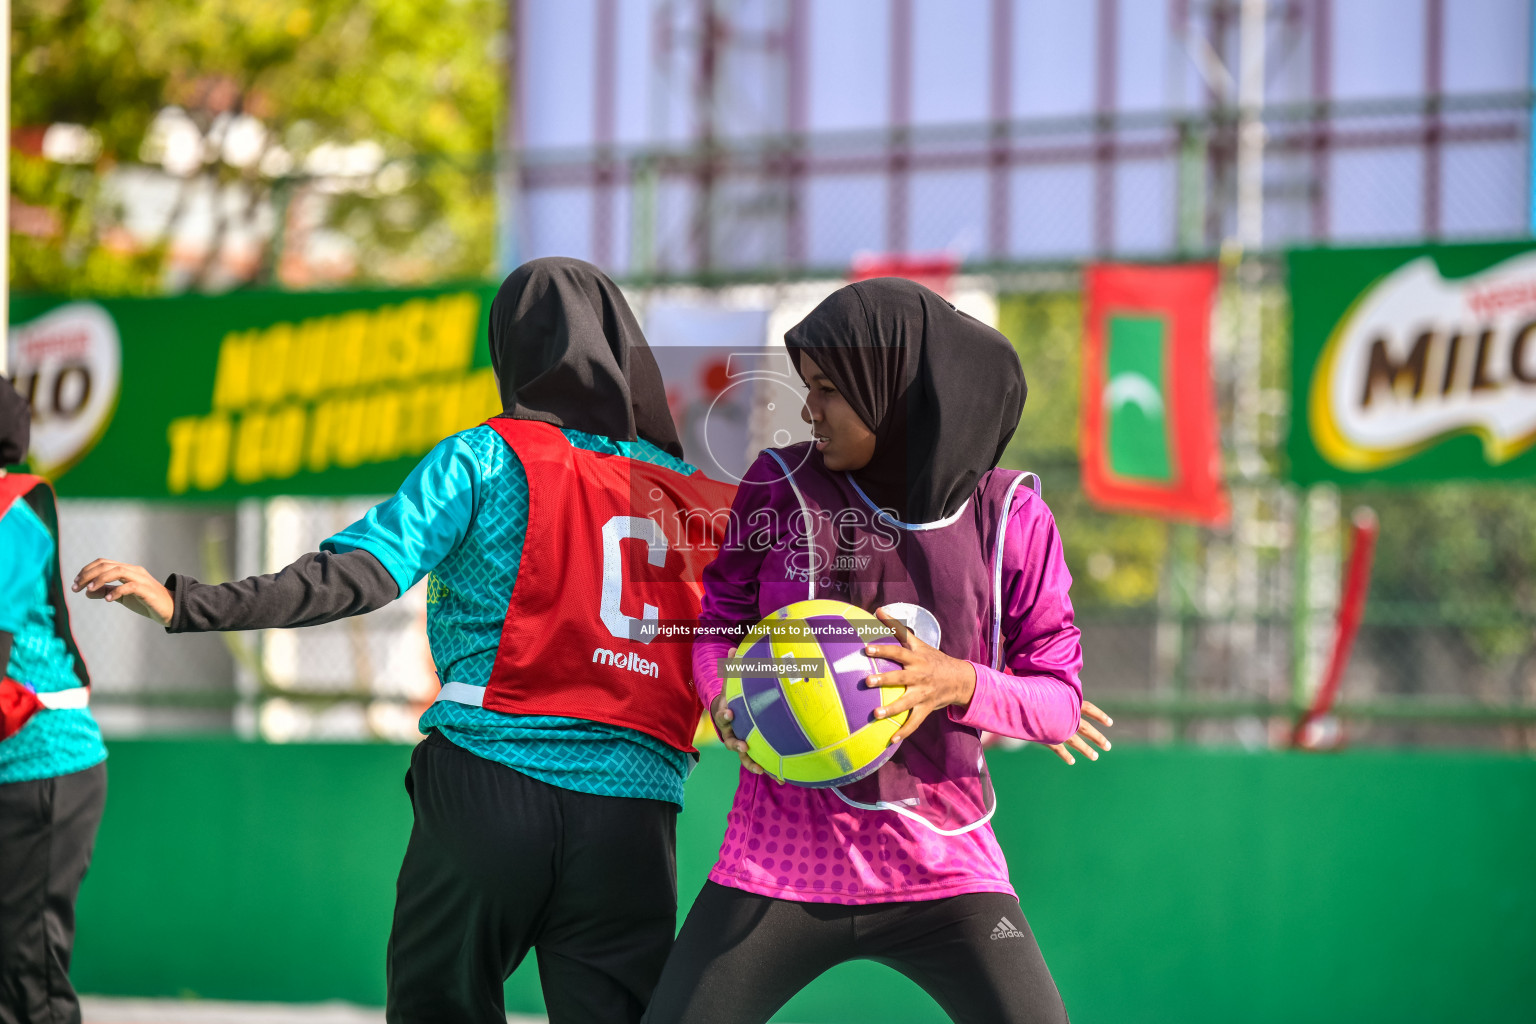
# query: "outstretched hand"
[130,585]
[933,679]
[1084,729]
[722,715]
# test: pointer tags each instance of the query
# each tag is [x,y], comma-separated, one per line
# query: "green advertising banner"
[1414,363]
[249,394]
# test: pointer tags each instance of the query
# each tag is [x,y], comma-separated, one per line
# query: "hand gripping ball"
[814,729]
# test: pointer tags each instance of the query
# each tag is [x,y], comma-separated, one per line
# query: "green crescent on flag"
[1134,397]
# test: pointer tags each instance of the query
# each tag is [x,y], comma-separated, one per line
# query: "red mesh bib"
[613,544]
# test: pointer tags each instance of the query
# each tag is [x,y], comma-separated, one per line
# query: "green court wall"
[1163,884]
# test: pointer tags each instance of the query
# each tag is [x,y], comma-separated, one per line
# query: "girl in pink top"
[897,506]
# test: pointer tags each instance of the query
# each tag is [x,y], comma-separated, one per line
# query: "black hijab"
[941,390]
[567,350]
[15,425]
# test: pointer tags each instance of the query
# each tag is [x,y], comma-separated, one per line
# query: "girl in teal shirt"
[531,831]
[53,779]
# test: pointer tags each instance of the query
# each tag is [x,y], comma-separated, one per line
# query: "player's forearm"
[1040,697]
[319,587]
[1039,708]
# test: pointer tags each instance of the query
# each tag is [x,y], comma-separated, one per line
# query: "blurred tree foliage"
[1115,559]
[1461,555]
[416,81]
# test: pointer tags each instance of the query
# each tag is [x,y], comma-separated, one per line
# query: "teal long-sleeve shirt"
[52,743]
[460,520]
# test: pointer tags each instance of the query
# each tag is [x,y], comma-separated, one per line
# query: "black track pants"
[740,956]
[47,833]
[499,863]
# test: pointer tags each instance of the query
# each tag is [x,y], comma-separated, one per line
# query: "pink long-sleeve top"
[797,843]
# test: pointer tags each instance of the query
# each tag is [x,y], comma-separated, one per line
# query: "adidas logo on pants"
[1006,930]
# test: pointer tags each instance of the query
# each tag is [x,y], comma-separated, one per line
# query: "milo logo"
[1420,358]
[68,364]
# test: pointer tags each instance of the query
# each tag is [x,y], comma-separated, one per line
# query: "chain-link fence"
[1195,633]
[1034,190]
[1026,191]
[366,677]
[1190,633]
[144,681]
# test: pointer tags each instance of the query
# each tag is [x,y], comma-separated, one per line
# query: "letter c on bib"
[622,528]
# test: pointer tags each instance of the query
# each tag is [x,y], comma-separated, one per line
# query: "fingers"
[1084,729]
[875,680]
[137,596]
[740,746]
[906,701]
[914,720]
[900,655]
[94,571]
[1060,750]
[122,590]
[723,719]
[1092,710]
[1077,744]
[93,564]
[104,571]
[908,638]
[728,733]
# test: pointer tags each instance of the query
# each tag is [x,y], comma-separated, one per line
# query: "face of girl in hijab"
[845,442]
[940,391]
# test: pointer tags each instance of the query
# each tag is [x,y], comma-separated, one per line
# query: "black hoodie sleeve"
[319,587]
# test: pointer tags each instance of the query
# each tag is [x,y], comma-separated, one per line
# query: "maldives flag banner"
[1149,433]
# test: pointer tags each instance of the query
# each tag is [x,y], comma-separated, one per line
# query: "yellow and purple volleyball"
[813,725]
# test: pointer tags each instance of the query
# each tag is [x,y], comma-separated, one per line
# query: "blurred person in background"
[53,776]
[546,793]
